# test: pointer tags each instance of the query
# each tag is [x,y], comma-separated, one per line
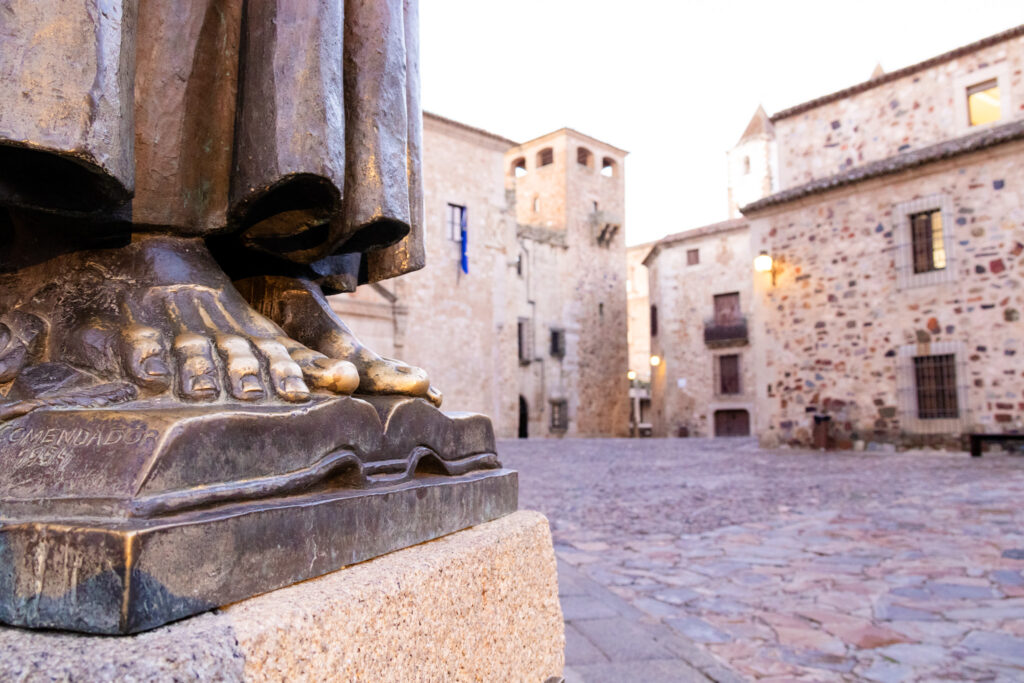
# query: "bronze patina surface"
[181,184]
[116,520]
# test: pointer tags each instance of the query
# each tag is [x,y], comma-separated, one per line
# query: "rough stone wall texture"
[547,270]
[920,109]
[478,605]
[828,334]
[684,393]
[638,305]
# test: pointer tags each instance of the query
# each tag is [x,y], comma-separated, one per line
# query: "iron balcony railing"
[732,332]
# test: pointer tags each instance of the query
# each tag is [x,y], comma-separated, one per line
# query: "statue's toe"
[330,374]
[285,374]
[387,376]
[144,357]
[241,367]
[197,372]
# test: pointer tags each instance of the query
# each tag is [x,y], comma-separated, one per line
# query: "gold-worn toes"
[285,374]
[435,396]
[197,372]
[241,367]
[143,356]
[327,374]
[386,376]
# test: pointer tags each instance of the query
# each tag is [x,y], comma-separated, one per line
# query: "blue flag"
[463,237]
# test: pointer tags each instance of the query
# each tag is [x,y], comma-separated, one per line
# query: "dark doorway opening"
[732,423]
[524,419]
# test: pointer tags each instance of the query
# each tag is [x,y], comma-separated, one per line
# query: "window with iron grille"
[559,415]
[558,343]
[524,330]
[456,222]
[728,374]
[935,382]
[692,257]
[546,156]
[927,244]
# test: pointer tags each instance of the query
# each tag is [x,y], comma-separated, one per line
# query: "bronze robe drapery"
[286,127]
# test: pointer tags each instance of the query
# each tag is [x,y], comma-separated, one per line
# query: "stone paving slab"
[788,565]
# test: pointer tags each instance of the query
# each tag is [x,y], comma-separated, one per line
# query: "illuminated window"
[983,103]
[545,157]
[519,167]
[928,247]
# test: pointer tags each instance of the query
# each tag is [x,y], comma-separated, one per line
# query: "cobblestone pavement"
[788,565]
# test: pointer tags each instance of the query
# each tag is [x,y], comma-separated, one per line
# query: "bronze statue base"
[120,520]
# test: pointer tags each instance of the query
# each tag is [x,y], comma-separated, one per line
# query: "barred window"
[928,247]
[559,415]
[935,381]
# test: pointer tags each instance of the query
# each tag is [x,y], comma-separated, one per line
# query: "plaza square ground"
[689,559]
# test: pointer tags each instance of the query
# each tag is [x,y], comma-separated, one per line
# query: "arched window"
[608,167]
[584,157]
[519,167]
[545,156]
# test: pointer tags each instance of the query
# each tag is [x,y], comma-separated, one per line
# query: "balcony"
[723,333]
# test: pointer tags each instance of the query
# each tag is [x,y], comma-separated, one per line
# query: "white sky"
[673,82]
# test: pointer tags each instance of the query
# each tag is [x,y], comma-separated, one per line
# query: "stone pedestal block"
[478,604]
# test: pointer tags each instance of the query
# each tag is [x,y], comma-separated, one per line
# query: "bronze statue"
[181,183]
[280,137]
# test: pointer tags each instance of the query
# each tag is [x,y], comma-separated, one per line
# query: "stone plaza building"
[520,312]
[893,216]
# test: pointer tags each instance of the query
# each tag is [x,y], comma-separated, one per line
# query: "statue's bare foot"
[301,310]
[161,314]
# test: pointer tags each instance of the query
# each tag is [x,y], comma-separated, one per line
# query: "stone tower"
[752,164]
[567,190]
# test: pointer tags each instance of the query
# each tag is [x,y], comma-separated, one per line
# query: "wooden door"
[732,423]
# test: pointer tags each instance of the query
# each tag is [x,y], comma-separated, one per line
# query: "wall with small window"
[957,96]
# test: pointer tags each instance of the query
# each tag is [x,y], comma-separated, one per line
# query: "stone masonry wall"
[638,305]
[683,390]
[830,331]
[912,112]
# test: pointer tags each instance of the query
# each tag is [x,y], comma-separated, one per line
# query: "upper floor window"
[584,157]
[927,244]
[608,167]
[654,320]
[746,165]
[524,332]
[692,257]
[519,167]
[557,343]
[983,103]
[536,204]
[728,374]
[456,222]
[545,157]
[923,231]
[727,308]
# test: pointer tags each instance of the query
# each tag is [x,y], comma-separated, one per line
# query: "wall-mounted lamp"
[763,263]
[631,375]
[655,361]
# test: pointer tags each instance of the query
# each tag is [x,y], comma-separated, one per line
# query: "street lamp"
[655,361]
[763,263]
[631,375]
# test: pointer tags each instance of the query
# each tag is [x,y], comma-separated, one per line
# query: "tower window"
[519,167]
[983,103]
[536,204]
[584,157]
[746,165]
[608,167]
[545,157]
[654,320]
